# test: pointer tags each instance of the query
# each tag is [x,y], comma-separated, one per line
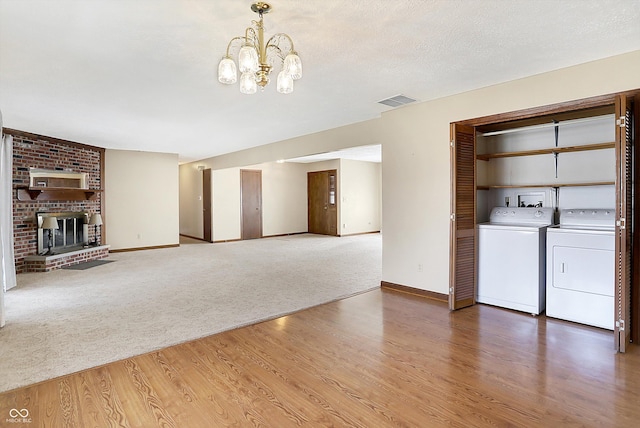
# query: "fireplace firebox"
[72,233]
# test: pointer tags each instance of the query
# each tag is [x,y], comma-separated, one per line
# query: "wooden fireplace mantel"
[56,194]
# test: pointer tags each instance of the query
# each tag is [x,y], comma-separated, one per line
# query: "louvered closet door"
[462,269]
[623,224]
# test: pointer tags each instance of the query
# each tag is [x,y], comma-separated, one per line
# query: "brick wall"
[35,151]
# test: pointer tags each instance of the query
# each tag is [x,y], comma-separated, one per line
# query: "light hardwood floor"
[382,358]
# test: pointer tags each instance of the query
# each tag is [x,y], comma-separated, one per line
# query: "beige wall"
[415,153]
[226,204]
[284,198]
[360,197]
[359,134]
[191,219]
[141,199]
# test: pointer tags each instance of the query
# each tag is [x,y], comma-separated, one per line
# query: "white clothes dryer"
[581,267]
[511,258]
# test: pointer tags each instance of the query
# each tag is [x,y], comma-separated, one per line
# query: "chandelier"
[256,58]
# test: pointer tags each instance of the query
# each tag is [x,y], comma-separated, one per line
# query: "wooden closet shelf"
[513,186]
[599,146]
[56,194]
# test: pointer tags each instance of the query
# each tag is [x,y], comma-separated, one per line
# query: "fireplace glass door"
[72,232]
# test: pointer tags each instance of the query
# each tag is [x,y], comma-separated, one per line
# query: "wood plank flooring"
[382,358]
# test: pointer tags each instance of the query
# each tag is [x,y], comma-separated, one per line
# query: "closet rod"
[545,125]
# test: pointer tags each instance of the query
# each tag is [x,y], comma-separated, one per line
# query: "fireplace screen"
[72,233]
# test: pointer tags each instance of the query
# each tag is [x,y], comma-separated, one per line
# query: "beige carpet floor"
[65,321]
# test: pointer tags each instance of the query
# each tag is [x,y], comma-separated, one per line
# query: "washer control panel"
[533,215]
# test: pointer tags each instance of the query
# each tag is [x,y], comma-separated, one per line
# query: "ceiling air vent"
[397,101]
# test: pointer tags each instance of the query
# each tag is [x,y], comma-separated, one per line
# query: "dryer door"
[585,270]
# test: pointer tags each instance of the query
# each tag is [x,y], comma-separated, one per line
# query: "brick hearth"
[57,261]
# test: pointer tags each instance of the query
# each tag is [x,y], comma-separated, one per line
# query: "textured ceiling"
[142,74]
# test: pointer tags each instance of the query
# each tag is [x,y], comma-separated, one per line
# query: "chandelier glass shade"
[257,58]
[248,84]
[285,83]
[227,72]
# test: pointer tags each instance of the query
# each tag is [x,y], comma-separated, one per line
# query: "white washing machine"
[511,258]
[581,267]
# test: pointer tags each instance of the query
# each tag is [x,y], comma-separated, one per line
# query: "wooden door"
[623,222]
[462,269]
[635,273]
[251,195]
[322,202]
[206,205]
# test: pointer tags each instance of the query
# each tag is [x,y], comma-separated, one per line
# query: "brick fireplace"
[31,151]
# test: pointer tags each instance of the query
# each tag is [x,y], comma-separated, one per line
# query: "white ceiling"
[142,74]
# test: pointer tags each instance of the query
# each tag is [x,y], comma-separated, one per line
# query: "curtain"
[7,262]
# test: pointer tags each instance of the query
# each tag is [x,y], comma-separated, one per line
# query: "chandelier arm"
[273,39]
[275,48]
[231,42]
[251,36]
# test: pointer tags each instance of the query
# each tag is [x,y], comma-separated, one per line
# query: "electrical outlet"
[419,267]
